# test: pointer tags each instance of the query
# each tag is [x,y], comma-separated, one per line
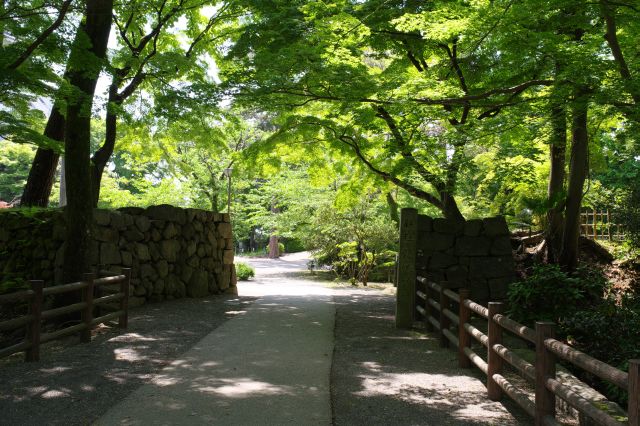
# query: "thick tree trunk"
[577,175]
[83,77]
[43,169]
[555,189]
[450,208]
[274,251]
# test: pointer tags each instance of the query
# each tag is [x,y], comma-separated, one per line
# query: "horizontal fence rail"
[36,317]
[434,305]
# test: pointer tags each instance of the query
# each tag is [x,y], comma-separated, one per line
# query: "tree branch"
[42,37]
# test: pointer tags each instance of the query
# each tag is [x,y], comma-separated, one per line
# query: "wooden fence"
[434,305]
[598,225]
[36,317]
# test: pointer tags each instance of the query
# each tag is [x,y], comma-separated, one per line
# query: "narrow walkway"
[268,365]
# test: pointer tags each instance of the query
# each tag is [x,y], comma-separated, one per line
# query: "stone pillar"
[405,299]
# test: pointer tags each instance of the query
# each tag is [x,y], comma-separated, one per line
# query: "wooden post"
[406,293]
[444,321]
[464,339]
[33,329]
[123,321]
[87,312]
[494,361]
[545,368]
[634,392]
[428,308]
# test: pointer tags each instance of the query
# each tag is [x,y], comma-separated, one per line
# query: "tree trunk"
[63,185]
[274,251]
[252,239]
[393,208]
[450,208]
[555,189]
[577,174]
[103,154]
[43,169]
[83,76]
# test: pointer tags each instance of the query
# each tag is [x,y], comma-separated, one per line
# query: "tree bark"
[555,189]
[450,208]
[274,251]
[394,213]
[577,175]
[101,157]
[37,190]
[86,64]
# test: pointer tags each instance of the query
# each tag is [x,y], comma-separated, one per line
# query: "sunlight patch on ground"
[163,380]
[55,370]
[244,388]
[128,354]
[56,393]
[132,337]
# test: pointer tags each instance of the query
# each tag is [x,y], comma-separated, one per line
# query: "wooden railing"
[434,305]
[36,317]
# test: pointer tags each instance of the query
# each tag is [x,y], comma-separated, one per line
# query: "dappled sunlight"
[132,338]
[242,388]
[55,370]
[129,355]
[56,393]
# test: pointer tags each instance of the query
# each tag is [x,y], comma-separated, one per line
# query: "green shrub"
[293,245]
[244,271]
[550,294]
[608,332]
[281,248]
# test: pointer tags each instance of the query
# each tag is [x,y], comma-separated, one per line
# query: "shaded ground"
[384,376]
[74,383]
[183,362]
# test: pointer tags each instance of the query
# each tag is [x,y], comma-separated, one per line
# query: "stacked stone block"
[173,252]
[474,254]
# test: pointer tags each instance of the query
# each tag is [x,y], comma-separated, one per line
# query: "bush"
[244,271]
[281,248]
[550,294]
[608,332]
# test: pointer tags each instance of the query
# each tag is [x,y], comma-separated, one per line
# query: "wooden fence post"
[464,339]
[634,392]
[545,367]
[123,321]
[444,321]
[428,309]
[494,361]
[406,293]
[87,312]
[33,329]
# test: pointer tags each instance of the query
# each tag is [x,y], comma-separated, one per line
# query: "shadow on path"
[385,376]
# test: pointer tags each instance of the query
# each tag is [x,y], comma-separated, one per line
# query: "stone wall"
[173,252]
[474,254]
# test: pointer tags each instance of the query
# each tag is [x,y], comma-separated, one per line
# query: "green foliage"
[281,248]
[550,294]
[608,331]
[244,271]
[15,160]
